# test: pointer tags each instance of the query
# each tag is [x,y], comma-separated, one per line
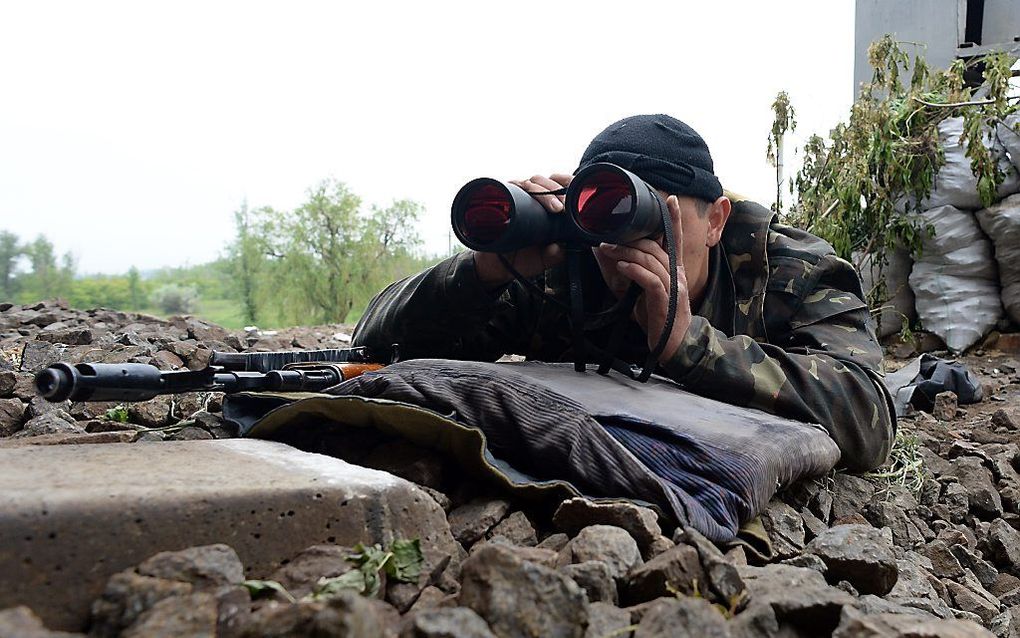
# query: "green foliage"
[784,121]
[323,260]
[118,413]
[402,562]
[263,588]
[175,299]
[860,189]
[10,252]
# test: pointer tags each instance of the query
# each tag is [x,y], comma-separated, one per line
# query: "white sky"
[130,132]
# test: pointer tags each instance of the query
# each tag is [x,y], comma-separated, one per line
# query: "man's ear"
[718,215]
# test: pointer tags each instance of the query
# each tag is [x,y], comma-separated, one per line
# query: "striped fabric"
[703,463]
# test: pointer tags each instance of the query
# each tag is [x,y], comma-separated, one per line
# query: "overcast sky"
[130,132]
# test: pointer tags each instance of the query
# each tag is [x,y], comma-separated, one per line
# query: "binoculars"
[604,203]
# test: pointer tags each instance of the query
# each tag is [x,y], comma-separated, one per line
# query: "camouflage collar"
[744,249]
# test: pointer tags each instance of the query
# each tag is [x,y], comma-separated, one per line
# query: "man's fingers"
[656,261]
[562,179]
[539,184]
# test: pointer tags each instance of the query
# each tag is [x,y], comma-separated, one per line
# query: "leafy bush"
[175,299]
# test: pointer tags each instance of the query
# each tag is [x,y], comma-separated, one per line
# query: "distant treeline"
[319,263]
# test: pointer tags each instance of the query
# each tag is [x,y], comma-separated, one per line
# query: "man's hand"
[533,260]
[646,263]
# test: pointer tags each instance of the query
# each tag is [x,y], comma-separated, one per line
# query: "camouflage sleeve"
[823,369]
[444,312]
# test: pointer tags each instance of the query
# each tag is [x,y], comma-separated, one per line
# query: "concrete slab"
[72,515]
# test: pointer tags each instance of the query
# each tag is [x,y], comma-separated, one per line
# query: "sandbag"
[955,280]
[1001,222]
[1008,132]
[955,183]
[897,304]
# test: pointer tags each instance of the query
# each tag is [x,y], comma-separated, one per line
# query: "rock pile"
[926,547]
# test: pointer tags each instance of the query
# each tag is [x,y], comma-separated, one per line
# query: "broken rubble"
[858,554]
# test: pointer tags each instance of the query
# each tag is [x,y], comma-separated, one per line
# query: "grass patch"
[905,466]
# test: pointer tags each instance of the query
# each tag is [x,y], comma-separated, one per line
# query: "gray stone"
[682,618]
[611,545]
[38,355]
[849,495]
[808,561]
[785,528]
[858,554]
[68,336]
[796,596]
[945,406]
[166,360]
[724,578]
[1004,542]
[1001,419]
[984,499]
[944,563]
[11,413]
[855,624]
[554,542]
[968,600]
[301,573]
[342,616]
[154,413]
[605,619]
[8,379]
[112,506]
[58,422]
[472,521]
[126,596]
[190,615]
[521,599]
[957,503]
[984,571]
[656,547]
[641,522]
[914,587]
[517,529]
[38,406]
[595,578]
[904,532]
[453,622]
[871,604]
[678,568]
[203,566]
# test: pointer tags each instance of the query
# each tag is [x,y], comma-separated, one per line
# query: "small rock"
[520,599]
[1004,542]
[794,593]
[166,360]
[641,522]
[808,561]
[984,499]
[346,614]
[69,336]
[554,542]
[453,622]
[678,568]
[471,521]
[785,528]
[682,618]
[595,578]
[723,577]
[855,624]
[11,413]
[318,561]
[1000,419]
[944,563]
[38,355]
[127,595]
[517,529]
[58,422]
[956,501]
[8,380]
[154,413]
[605,619]
[849,495]
[945,406]
[204,566]
[859,554]
[970,601]
[189,615]
[606,543]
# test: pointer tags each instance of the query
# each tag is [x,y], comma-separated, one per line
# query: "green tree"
[137,294]
[10,251]
[327,256]
[247,260]
[47,279]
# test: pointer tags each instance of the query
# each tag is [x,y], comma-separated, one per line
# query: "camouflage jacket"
[781,327]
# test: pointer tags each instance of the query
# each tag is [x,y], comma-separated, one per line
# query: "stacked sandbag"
[955,184]
[1008,133]
[1001,222]
[955,280]
[897,303]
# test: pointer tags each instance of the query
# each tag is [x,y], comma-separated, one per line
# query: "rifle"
[229,372]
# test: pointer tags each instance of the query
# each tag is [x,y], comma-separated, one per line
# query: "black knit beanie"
[661,150]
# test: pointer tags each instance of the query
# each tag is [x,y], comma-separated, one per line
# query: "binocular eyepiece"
[604,203]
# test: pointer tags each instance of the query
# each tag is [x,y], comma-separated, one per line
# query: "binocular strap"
[574,255]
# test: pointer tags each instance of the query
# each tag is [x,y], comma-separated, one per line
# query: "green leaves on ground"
[118,414]
[402,562]
[260,588]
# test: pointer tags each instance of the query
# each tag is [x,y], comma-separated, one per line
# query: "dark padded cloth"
[704,463]
[918,382]
[662,151]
